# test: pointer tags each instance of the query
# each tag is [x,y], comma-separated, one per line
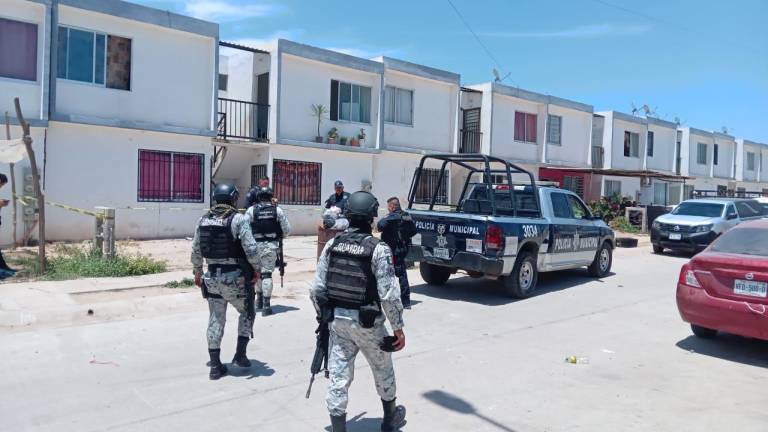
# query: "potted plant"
[332,135]
[353,141]
[319,111]
[343,141]
[361,138]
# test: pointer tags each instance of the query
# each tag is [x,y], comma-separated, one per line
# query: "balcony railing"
[470,141]
[597,157]
[243,120]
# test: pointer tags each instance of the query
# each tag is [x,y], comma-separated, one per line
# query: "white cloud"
[581,32]
[225,10]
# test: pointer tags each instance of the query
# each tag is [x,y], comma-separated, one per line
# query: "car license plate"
[441,253]
[750,288]
[675,236]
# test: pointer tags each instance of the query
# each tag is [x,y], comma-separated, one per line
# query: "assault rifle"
[250,291]
[281,262]
[320,359]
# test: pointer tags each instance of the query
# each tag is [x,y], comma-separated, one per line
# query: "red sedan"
[725,288]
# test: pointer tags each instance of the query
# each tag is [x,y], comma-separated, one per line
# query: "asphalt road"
[474,361]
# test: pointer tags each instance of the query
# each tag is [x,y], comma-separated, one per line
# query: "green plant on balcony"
[320,112]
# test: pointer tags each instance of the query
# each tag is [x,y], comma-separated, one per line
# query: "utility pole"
[27,139]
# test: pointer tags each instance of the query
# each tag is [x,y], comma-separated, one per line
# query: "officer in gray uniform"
[269,225]
[223,238]
[355,274]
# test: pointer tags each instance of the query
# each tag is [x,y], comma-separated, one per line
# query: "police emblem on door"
[441,240]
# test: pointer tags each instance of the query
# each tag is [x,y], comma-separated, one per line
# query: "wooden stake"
[13,180]
[36,181]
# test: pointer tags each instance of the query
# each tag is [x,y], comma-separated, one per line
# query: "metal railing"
[470,141]
[243,120]
[597,157]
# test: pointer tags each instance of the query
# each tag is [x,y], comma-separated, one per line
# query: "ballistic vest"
[216,239]
[265,225]
[350,280]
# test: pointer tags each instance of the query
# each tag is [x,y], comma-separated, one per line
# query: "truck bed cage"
[465,161]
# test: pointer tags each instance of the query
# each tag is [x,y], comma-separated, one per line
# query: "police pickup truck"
[501,225]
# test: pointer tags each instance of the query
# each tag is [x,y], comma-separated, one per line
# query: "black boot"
[218,370]
[267,310]
[339,423]
[241,358]
[394,416]
[259,301]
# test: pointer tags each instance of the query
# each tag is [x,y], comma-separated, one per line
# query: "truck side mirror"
[597,216]
[731,216]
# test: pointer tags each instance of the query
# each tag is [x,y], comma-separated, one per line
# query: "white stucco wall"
[630,186]
[503,142]
[575,138]
[105,173]
[434,114]
[471,100]
[725,161]
[743,170]
[172,75]
[696,169]
[305,82]
[664,141]
[618,160]
[30,93]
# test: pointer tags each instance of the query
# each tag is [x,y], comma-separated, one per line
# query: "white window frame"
[395,112]
[525,130]
[699,147]
[38,61]
[559,141]
[338,96]
[613,182]
[106,52]
[634,150]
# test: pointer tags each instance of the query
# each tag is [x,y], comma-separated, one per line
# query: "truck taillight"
[688,277]
[494,238]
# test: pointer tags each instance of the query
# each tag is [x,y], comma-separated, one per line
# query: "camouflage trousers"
[230,286]
[347,339]
[267,253]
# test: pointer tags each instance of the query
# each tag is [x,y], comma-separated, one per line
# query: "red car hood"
[717,273]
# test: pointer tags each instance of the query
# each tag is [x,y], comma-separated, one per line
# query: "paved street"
[474,361]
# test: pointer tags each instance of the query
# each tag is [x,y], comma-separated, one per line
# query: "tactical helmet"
[362,204]
[265,194]
[225,193]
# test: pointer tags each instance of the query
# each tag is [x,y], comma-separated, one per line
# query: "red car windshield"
[747,241]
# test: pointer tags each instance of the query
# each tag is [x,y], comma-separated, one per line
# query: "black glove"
[387,344]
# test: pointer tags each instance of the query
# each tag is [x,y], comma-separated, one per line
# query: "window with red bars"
[170,176]
[297,182]
[525,127]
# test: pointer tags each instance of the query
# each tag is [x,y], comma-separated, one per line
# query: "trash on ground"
[577,360]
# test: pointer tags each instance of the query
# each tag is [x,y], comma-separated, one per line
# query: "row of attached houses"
[119,122]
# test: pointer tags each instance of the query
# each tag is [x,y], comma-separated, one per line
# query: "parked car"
[763,202]
[695,223]
[502,229]
[725,288]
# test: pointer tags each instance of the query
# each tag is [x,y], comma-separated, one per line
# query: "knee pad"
[266,275]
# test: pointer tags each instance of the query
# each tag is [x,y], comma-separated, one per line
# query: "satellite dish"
[634,109]
[499,78]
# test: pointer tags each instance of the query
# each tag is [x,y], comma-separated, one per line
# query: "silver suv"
[693,224]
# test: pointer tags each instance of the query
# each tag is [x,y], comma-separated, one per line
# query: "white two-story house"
[751,166]
[117,120]
[710,157]
[637,158]
[381,116]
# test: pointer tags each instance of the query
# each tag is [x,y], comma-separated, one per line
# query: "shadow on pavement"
[279,309]
[455,403]
[257,369]
[729,347]
[491,293]
[359,423]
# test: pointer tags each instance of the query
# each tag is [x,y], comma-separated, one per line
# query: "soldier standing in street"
[356,276]
[269,225]
[396,229]
[224,240]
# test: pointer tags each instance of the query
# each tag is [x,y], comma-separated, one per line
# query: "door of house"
[470,131]
[262,109]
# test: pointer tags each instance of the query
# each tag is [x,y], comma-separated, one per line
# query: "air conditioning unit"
[645,181]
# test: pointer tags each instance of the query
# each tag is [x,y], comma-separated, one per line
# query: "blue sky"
[705,61]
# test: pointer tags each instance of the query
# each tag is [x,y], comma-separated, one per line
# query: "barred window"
[170,176]
[297,182]
[426,187]
[257,172]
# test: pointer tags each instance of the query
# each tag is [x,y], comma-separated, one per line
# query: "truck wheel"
[601,266]
[522,281]
[658,250]
[433,274]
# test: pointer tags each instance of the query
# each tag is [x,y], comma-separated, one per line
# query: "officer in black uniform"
[269,225]
[397,229]
[223,239]
[339,198]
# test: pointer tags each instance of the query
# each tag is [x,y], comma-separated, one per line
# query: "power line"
[477,38]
